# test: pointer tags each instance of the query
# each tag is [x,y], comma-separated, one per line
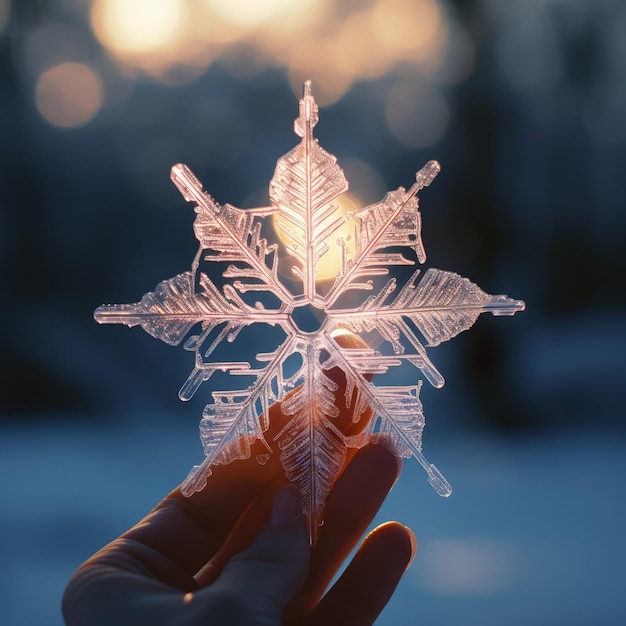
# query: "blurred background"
[524,104]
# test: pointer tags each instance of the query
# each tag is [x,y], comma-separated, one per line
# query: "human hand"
[238,552]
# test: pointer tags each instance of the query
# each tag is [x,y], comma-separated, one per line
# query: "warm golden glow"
[332,43]
[406,25]
[188,597]
[357,58]
[69,94]
[249,13]
[341,242]
[139,26]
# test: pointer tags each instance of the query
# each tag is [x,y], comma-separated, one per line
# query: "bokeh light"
[467,567]
[138,26]
[402,27]
[333,44]
[147,34]
[250,13]
[68,95]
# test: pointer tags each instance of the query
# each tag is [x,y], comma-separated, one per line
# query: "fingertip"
[347,339]
[370,579]
[414,545]
[276,564]
[287,507]
[394,538]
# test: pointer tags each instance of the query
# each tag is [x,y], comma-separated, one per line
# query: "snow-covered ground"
[533,533]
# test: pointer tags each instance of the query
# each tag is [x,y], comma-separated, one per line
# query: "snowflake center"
[308,319]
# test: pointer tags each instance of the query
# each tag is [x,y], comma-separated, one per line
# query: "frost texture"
[428,309]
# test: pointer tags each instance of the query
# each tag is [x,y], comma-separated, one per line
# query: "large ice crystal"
[312,226]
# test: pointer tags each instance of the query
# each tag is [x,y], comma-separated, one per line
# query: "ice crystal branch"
[396,221]
[231,234]
[306,182]
[428,310]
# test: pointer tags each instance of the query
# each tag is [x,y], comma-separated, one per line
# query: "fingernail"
[413,539]
[286,508]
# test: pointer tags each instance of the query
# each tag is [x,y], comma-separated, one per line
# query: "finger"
[367,584]
[256,584]
[350,508]
[247,528]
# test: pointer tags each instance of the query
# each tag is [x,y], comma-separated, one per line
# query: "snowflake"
[307,214]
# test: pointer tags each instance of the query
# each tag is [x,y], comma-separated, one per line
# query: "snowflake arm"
[312,448]
[396,221]
[231,234]
[176,305]
[236,419]
[306,182]
[397,416]
[440,305]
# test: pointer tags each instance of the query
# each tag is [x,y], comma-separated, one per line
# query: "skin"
[238,551]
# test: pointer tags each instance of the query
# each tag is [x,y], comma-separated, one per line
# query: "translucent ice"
[428,309]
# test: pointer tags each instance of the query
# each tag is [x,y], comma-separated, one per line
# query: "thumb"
[258,582]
